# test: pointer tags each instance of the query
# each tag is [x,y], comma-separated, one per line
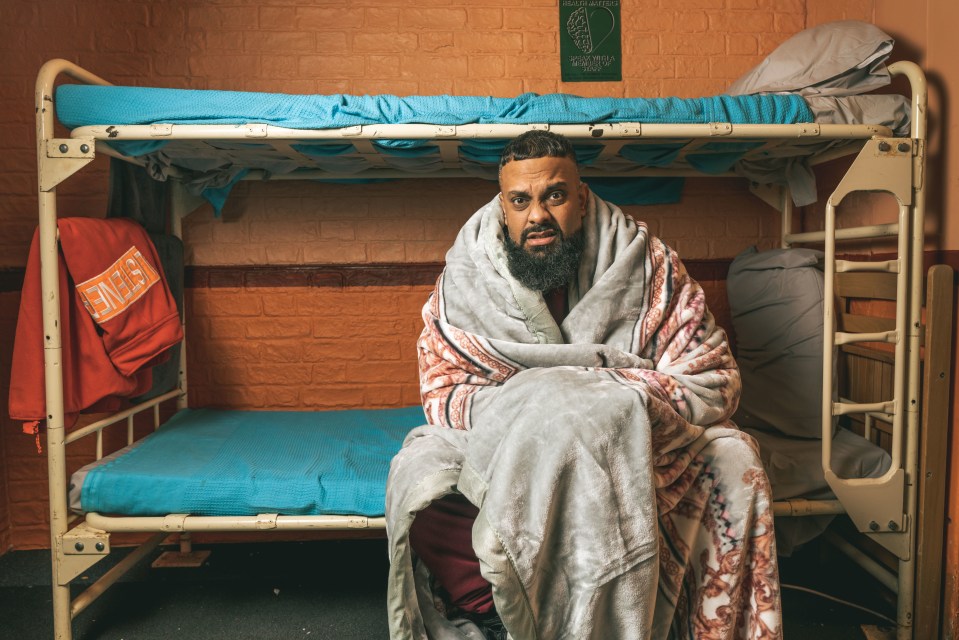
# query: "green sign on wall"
[590,43]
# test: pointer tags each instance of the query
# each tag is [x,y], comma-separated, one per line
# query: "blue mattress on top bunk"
[216,463]
[213,171]
[80,105]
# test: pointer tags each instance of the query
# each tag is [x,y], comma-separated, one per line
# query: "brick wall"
[8,304]
[317,348]
[497,47]
[23,487]
[416,221]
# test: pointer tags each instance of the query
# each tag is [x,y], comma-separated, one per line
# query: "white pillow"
[837,58]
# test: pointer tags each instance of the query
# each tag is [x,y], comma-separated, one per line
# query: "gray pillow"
[889,110]
[776,301]
[837,58]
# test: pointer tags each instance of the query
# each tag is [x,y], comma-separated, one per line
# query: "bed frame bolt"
[85,147]
[893,526]
[874,525]
[884,146]
[100,546]
[78,546]
[64,148]
[903,146]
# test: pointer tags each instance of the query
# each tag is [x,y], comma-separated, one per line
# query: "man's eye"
[557,196]
[519,203]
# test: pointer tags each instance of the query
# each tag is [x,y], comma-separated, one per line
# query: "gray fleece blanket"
[615,498]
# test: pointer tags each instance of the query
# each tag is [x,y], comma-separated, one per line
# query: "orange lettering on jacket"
[112,292]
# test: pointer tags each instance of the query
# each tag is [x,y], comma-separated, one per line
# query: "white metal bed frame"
[883,508]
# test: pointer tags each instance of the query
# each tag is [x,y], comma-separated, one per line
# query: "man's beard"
[550,267]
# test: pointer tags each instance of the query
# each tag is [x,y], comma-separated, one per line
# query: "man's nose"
[538,213]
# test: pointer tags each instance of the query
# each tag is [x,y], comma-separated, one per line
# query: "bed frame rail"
[899,162]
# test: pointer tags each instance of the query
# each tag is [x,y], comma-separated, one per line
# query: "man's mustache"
[539,228]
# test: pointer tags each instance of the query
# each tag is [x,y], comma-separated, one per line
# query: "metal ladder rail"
[884,488]
[880,507]
[881,167]
[907,567]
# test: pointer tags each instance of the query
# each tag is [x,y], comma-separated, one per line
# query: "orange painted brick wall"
[299,348]
[8,318]
[417,221]
[497,47]
[23,485]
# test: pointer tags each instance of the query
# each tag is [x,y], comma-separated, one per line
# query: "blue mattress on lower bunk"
[215,463]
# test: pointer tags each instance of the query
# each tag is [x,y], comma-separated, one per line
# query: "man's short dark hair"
[537,144]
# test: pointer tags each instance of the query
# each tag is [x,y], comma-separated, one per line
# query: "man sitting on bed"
[579,477]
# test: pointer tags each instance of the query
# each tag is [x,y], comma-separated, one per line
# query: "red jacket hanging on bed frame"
[117,319]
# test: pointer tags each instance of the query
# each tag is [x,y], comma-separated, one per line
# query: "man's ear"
[583,197]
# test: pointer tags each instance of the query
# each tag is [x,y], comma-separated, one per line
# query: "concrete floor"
[315,590]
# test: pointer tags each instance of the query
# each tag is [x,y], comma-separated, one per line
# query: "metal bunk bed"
[884,509]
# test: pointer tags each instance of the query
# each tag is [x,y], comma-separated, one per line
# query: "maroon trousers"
[442,537]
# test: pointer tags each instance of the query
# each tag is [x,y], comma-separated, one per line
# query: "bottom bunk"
[212,470]
[794,468]
[777,300]
[206,462]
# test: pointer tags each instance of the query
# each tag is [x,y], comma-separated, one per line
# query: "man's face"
[543,201]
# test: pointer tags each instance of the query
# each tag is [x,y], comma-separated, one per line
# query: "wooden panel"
[868,353]
[876,286]
[933,474]
[855,323]
[868,380]
[866,375]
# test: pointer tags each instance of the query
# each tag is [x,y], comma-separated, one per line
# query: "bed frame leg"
[62,620]
[186,557]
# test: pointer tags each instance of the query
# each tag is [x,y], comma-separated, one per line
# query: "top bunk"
[776,122]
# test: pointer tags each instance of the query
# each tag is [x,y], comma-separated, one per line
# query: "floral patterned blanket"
[616,499]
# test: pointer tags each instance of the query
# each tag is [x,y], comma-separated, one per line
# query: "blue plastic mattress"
[216,463]
[79,105]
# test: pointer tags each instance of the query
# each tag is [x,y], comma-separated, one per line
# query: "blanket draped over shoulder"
[616,499]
